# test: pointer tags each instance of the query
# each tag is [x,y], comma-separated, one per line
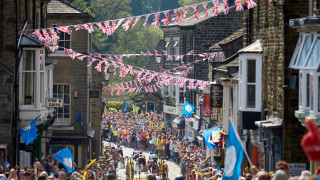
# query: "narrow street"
[173,168]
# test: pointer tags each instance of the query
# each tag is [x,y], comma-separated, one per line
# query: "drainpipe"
[310,7]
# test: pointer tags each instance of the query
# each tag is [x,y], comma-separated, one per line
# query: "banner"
[207,109]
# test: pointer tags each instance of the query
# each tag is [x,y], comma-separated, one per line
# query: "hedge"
[116,105]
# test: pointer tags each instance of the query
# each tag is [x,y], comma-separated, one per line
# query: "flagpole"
[238,137]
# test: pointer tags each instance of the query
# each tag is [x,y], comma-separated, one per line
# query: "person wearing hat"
[21,175]
[280,175]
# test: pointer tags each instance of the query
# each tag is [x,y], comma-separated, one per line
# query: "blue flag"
[29,133]
[124,106]
[233,157]
[65,157]
[207,135]
[188,109]
[79,117]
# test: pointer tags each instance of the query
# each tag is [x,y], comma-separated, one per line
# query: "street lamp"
[107,76]
[55,42]
[158,59]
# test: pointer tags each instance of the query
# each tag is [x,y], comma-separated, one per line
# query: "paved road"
[173,168]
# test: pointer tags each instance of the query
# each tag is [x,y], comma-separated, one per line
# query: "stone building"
[197,35]
[306,59]
[22,72]
[79,86]
[267,85]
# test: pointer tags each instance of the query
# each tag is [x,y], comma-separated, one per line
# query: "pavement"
[173,168]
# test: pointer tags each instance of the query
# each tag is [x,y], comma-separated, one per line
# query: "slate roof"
[236,35]
[64,7]
[191,21]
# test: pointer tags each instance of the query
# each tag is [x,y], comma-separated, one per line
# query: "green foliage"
[113,110]
[110,9]
[83,5]
[169,4]
[115,104]
[190,2]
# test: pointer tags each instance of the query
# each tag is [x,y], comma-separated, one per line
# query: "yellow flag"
[110,126]
[84,176]
[148,137]
[195,166]
[90,164]
[199,173]
[184,156]
[105,109]
[162,125]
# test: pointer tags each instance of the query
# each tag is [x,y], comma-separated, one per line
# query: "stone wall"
[269,22]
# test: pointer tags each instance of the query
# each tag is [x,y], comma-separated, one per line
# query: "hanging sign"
[216,95]
[54,103]
[207,109]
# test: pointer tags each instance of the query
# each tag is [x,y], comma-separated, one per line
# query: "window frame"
[56,95]
[243,81]
[64,40]
[37,79]
[176,50]
[167,46]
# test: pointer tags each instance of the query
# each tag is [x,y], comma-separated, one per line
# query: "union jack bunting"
[146,21]
[226,7]
[137,19]
[181,58]
[201,85]
[127,85]
[130,84]
[81,57]
[166,20]
[65,52]
[170,57]
[148,52]
[127,24]
[140,82]
[142,53]
[139,75]
[118,92]
[113,26]
[156,20]
[205,9]
[251,4]
[88,27]
[54,34]
[53,48]
[119,23]
[156,52]
[108,28]
[65,29]
[146,89]
[37,34]
[269,1]
[191,52]
[106,67]
[97,55]
[46,35]
[73,55]
[131,70]
[101,27]
[111,93]
[98,66]
[165,53]
[115,66]
[155,88]
[238,4]
[135,82]
[184,13]
[215,8]
[195,11]
[78,27]
[176,16]
[191,84]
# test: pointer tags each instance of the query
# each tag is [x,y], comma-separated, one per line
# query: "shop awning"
[208,138]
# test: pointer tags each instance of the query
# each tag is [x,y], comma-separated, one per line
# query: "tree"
[169,4]
[110,9]
[136,6]
[190,2]
[83,5]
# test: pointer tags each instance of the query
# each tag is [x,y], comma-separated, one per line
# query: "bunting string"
[109,27]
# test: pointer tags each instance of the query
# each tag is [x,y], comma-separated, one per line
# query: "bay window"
[32,78]
[250,77]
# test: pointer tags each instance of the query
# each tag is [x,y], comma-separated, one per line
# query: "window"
[42,67]
[176,50]
[182,92]
[308,91]
[62,91]
[64,40]
[28,77]
[168,49]
[251,84]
